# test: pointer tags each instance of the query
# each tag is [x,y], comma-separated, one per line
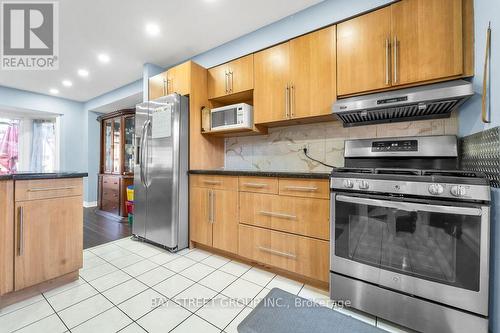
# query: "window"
[9,144]
[28,143]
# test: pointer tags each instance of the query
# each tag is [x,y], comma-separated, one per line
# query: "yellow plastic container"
[130,193]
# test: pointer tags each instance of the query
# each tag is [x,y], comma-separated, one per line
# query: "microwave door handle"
[411,207]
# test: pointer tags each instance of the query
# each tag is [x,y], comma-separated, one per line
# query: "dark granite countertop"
[256,173]
[27,175]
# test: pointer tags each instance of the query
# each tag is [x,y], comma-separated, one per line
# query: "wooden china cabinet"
[117,162]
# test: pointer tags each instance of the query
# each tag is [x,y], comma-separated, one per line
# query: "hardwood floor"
[98,229]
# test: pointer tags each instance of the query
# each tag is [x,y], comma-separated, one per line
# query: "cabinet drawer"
[301,255]
[251,240]
[302,216]
[308,188]
[258,185]
[48,188]
[215,182]
[112,183]
[110,194]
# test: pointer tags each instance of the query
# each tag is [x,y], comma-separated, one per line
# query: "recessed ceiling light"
[152,29]
[104,58]
[54,91]
[83,72]
[67,83]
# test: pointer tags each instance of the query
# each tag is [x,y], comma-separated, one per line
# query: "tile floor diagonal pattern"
[128,286]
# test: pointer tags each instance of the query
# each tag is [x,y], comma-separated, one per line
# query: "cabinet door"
[49,239]
[218,81]
[200,228]
[178,79]
[241,74]
[225,220]
[428,36]
[271,80]
[313,74]
[6,236]
[107,154]
[363,53]
[157,86]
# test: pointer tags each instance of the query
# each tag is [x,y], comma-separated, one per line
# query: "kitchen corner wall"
[282,148]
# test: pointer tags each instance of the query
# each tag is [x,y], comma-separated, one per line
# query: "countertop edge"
[280,174]
[34,176]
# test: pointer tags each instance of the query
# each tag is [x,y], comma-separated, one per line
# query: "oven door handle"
[411,207]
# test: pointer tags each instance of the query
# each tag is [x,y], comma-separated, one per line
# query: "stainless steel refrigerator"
[160,178]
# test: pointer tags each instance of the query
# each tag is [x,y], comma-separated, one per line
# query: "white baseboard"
[89,204]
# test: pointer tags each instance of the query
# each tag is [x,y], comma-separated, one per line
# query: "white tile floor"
[130,287]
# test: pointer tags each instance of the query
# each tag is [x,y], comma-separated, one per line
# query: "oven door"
[431,250]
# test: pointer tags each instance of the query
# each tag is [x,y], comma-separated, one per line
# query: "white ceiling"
[117,27]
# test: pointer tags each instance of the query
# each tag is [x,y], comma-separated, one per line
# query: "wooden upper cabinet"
[179,79]
[313,74]
[175,80]
[427,40]
[271,96]
[157,86]
[363,53]
[407,43]
[231,78]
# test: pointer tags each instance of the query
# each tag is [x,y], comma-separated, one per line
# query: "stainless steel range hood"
[424,102]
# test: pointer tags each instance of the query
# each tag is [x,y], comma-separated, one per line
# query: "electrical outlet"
[305,147]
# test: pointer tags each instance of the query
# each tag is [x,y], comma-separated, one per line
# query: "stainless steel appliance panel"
[400,264]
[140,189]
[415,313]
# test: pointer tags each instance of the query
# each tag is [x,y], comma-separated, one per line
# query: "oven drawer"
[302,216]
[48,188]
[301,255]
[215,182]
[258,185]
[308,188]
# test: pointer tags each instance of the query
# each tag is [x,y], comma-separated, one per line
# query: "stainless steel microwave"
[236,116]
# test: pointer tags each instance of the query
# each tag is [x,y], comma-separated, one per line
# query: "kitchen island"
[41,232]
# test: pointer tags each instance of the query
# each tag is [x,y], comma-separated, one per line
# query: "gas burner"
[354,170]
[399,171]
[454,173]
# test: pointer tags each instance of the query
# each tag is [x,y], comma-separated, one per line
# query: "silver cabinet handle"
[301,188]
[226,83]
[292,100]
[395,47]
[255,185]
[278,215]
[213,207]
[42,189]
[231,82]
[213,182]
[278,253]
[20,246]
[165,87]
[210,206]
[387,61]
[287,100]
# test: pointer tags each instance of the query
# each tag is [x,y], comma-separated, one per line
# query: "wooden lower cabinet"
[302,255]
[113,194]
[213,213]
[6,236]
[303,216]
[49,239]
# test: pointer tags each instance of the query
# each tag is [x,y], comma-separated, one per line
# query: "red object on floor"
[130,207]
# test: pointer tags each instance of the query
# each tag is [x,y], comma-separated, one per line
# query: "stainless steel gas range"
[411,234]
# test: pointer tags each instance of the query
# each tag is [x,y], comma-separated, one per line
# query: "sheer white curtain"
[43,153]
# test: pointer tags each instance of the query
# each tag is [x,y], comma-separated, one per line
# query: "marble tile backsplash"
[281,149]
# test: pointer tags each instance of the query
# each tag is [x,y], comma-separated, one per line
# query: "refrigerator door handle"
[147,183]
[141,155]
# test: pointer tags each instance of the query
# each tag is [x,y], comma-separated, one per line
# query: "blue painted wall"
[470,122]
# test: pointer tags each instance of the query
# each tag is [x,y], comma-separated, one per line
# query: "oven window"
[435,246]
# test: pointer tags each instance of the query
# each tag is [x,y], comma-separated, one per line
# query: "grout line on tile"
[57,314]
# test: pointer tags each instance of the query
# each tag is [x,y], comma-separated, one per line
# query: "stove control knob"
[348,183]
[436,189]
[363,185]
[458,191]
